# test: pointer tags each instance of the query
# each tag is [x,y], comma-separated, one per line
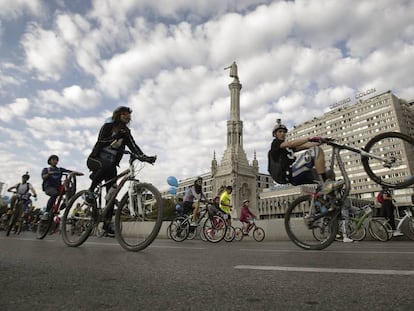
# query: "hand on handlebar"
[148,159]
[316,139]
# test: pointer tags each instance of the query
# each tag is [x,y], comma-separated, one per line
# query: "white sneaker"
[397,233]
[331,185]
[347,240]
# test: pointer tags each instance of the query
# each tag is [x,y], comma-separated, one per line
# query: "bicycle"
[405,224]
[16,212]
[258,232]
[138,215]
[353,223]
[213,226]
[65,191]
[316,211]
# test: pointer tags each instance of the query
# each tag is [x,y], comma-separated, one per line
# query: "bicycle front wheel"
[258,234]
[355,233]
[305,229]
[138,218]
[395,151]
[78,220]
[230,234]
[378,230]
[13,219]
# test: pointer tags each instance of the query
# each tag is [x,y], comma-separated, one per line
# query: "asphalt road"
[195,275]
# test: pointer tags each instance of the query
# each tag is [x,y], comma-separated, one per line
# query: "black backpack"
[276,170]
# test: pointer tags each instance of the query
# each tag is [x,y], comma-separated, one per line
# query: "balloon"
[172,181]
[172,191]
[6,198]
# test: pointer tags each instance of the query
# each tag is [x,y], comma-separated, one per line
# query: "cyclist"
[52,180]
[285,167]
[192,198]
[245,217]
[25,189]
[387,210]
[225,206]
[108,152]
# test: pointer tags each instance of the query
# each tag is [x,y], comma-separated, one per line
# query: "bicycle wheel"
[258,234]
[44,224]
[355,233]
[192,233]
[301,225]
[138,219]
[378,230]
[13,218]
[238,234]
[230,234]
[179,229]
[396,150]
[79,220]
[215,229]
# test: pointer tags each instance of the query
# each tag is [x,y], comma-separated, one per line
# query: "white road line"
[327,251]
[325,270]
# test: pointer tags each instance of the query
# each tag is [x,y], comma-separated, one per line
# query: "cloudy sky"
[65,65]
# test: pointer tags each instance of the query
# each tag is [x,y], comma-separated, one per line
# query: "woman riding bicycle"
[108,152]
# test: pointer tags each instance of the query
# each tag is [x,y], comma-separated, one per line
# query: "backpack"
[276,170]
[380,197]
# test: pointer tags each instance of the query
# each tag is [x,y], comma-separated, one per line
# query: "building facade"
[353,125]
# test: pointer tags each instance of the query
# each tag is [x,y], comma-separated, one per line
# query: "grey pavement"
[196,275]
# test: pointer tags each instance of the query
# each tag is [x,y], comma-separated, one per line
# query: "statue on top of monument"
[233,71]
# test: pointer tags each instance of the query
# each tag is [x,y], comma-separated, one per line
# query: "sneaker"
[45,216]
[397,233]
[347,240]
[193,224]
[109,231]
[331,185]
[89,197]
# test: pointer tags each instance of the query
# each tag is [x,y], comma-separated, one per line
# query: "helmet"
[26,175]
[122,109]
[53,156]
[279,126]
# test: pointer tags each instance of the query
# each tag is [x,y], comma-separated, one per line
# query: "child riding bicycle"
[246,217]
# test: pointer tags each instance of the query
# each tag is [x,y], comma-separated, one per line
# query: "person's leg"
[53,193]
[196,207]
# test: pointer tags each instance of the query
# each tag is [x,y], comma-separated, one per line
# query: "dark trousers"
[387,211]
[53,193]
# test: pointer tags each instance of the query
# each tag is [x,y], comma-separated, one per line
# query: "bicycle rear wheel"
[215,229]
[138,219]
[378,230]
[238,234]
[306,230]
[44,224]
[396,150]
[78,220]
[258,234]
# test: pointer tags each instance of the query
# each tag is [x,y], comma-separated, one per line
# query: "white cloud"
[14,110]
[16,8]
[45,52]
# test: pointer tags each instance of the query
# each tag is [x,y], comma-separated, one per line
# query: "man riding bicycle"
[23,190]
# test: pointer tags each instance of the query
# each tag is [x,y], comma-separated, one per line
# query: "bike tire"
[13,219]
[258,234]
[230,234]
[43,225]
[390,145]
[238,234]
[179,229]
[357,234]
[378,230]
[215,229]
[137,232]
[192,233]
[79,220]
[301,230]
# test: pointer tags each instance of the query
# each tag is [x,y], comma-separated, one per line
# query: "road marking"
[325,270]
[326,251]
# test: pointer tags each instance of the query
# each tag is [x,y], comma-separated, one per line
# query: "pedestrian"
[387,209]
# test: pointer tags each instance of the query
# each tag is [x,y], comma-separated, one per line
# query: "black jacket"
[107,137]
